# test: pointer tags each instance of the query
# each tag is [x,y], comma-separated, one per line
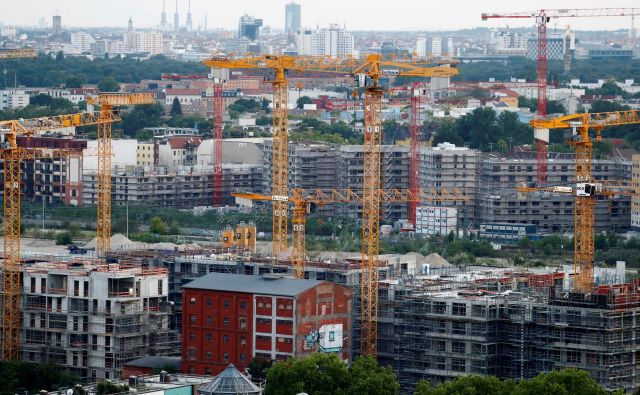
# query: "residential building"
[157,187]
[334,41]
[186,98]
[82,41]
[11,99]
[52,179]
[56,26]
[92,319]
[232,318]
[436,220]
[177,151]
[292,18]
[453,169]
[513,324]
[497,200]
[249,28]
[145,154]
[144,42]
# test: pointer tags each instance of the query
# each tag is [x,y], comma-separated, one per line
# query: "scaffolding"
[510,324]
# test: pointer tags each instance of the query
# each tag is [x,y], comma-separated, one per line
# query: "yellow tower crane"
[367,72]
[303,199]
[12,155]
[586,187]
[107,102]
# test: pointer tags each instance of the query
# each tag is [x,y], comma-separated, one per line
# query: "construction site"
[424,317]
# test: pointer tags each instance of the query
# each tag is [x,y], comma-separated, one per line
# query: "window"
[243,304]
[225,356]
[225,338]
[458,365]
[209,302]
[243,341]
[192,336]
[332,336]
[458,347]
[208,354]
[209,320]
[227,303]
[226,321]
[192,318]
[208,337]
[192,301]
[242,322]
[243,357]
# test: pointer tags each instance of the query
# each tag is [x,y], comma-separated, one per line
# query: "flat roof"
[267,285]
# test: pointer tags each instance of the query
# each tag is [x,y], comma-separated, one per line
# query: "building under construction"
[511,324]
[94,318]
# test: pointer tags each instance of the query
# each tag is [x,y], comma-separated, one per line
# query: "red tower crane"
[417,91]
[542,18]
[217,143]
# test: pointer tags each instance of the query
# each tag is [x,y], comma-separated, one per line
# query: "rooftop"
[267,285]
[230,381]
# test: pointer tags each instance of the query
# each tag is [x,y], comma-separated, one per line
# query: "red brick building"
[231,318]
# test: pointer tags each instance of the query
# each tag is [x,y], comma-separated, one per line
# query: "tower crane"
[586,187]
[107,102]
[12,155]
[303,199]
[217,142]
[367,73]
[542,18]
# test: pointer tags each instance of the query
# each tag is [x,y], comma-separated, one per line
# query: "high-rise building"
[189,24]
[249,28]
[164,25]
[130,25]
[82,41]
[434,46]
[292,18]
[57,24]
[334,42]
[176,19]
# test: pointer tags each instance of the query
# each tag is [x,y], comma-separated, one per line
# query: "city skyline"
[356,15]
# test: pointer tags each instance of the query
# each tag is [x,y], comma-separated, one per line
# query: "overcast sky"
[356,14]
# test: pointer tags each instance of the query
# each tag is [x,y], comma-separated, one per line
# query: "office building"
[436,220]
[56,27]
[249,28]
[292,18]
[232,318]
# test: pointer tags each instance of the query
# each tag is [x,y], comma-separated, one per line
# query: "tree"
[369,378]
[176,107]
[59,56]
[472,384]
[258,368]
[302,101]
[564,382]
[326,374]
[108,84]
[105,387]
[63,238]
[158,226]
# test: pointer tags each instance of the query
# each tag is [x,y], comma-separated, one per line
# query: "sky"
[355,14]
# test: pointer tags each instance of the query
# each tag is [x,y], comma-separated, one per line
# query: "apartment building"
[499,202]
[92,319]
[453,169]
[181,189]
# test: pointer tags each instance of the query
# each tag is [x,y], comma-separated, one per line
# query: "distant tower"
[176,20]
[130,26]
[205,22]
[163,20]
[292,18]
[57,24]
[189,25]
